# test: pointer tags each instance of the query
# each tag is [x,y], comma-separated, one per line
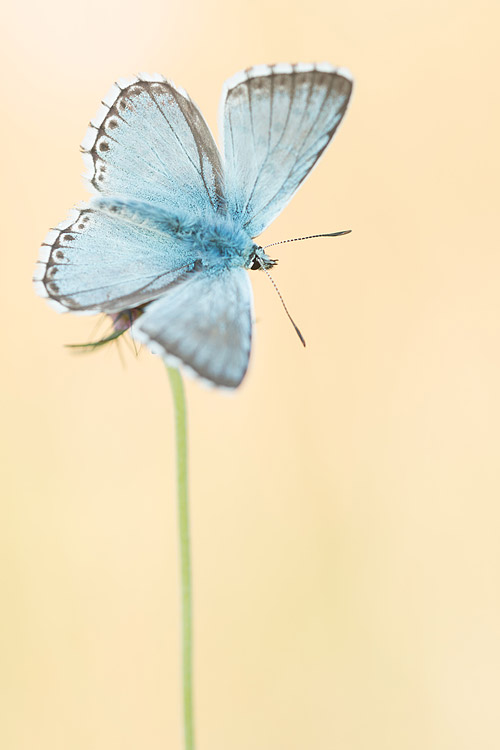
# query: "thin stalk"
[185,557]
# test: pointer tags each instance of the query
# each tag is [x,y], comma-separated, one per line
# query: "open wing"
[149,141]
[204,323]
[97,262]
[276,122]
[150,146]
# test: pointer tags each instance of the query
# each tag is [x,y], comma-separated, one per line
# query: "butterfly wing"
[149,144]
[149,141]
[97,262]
[205,323]
[276,122]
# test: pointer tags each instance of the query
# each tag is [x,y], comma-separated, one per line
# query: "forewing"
[96,262]
[205,323]
[149,141]
[276,122]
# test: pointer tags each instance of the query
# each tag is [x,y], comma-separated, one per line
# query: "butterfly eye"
[259,260]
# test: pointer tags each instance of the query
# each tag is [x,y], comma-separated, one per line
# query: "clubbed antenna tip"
[309,237]
[297,329]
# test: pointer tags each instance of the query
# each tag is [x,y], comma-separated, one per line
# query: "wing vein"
[299,155]
[124,280]
[173,131]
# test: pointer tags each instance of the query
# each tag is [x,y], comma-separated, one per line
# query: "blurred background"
[345,501]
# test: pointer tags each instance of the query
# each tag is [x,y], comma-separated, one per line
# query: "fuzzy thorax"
[215,239]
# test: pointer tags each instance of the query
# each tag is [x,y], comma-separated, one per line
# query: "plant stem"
[185,558]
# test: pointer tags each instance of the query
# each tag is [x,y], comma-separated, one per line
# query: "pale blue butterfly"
[170,229]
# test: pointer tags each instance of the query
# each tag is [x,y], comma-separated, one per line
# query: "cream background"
[345,502]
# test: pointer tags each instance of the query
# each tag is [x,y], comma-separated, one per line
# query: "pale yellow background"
[346,501]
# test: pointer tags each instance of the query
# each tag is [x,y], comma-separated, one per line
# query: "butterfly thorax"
[215,240]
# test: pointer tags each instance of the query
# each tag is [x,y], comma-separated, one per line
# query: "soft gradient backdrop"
[345,501]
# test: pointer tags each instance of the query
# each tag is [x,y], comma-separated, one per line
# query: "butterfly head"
[259,260]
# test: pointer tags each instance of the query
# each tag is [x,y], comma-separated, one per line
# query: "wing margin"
[149,141]
[204,324]
[275,122]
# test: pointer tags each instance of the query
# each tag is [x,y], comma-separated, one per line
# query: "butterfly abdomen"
[213,239]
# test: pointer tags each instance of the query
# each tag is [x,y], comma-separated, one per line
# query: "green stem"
[185,560]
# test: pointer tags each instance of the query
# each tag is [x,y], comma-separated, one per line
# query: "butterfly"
[169,231]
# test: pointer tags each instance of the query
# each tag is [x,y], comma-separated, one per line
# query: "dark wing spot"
[104,146]
[59,255]
[159,89]
[83,220]
[68,237]
[258,84]
[135,90]
[125,103]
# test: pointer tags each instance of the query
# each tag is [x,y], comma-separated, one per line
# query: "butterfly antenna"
[309,237]
[297,330]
